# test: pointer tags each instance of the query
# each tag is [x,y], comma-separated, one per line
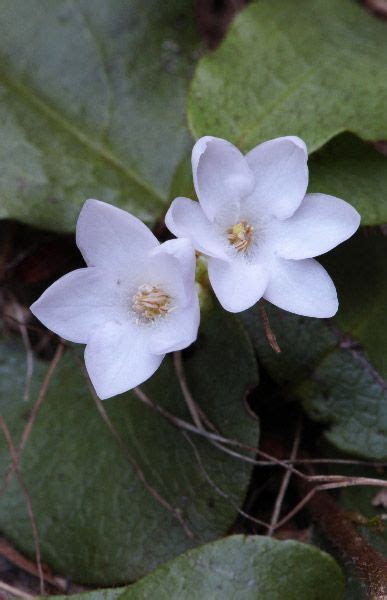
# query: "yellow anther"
[240,235]
[150,302]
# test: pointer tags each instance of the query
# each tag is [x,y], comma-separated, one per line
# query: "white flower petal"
[186,219]
[184,252]
[79,303]
[108,236]
[237,285]
[117,358]
[302,287]
[281,174]
[177,330]
[221,175]
[163,271]
[319,224]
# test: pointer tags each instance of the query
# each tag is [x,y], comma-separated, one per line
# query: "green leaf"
[323,366]
[92,104]
[312,68]
[102,594]
[243,568]
[359,270]
[98,524]
[351,169]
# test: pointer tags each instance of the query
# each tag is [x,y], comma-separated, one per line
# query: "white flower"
[258,227]
[135,301]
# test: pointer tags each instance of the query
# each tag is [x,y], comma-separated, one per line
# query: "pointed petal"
[163,270]
[178,330]
[320,223]
[186,219]
[117,359]
[184,252]
[107,235]
[79,303]
[221,175]
[281,174]
[302,287]
[237,285]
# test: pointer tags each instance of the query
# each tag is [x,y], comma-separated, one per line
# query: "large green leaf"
[323,365]
[351,169]
[97,522]
[311,68]
[92,104]
[243,568]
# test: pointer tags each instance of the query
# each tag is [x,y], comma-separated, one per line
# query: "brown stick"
[343,534]
[176,512]
[284,483]
[17,559]
[219,491]
[190,402]
[337,480]
[10,589]
[34,413]
[26,495]
[267,329]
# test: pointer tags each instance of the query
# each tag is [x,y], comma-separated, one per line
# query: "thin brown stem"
[346,538]
[13,591]
[267,329]
[222,441]
[285,482]
[34,412]
[27,345]
[20,561]
[324,487]
[35,533]
[176,512]
[217,489]
[190,402]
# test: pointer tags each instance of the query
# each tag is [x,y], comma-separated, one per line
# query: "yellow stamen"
[240,236]
[150,302]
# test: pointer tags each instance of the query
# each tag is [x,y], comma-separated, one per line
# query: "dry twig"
[198,416]
[29,356]
[13,591]
[325,482]
[176,512]
[344,535]
[34,413]
[217,488]
[284,483]
[20,561]
[26,495]
[267,329]
[215,437]
[190,402]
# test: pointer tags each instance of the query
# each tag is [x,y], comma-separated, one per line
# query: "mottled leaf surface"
[243,568]
[92,104]
[97,522]
[311,68]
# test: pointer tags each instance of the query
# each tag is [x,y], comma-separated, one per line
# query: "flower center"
[150,302]
[240,236]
